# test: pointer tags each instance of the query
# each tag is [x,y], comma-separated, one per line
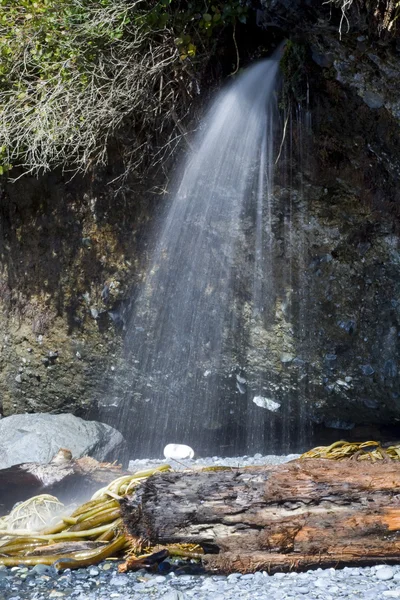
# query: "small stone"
[302,590]
[107,567]
[94,312]
[266,403]
[384,574]
[370,594]
[373,99]
[391,593]
[43,570]
[93,572]
[119,580]
[241,388]
[367,370]
[322,583]
[185,578]
[286,358]
[260,575]
[234,576]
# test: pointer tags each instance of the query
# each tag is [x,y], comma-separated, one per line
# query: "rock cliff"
[328,347]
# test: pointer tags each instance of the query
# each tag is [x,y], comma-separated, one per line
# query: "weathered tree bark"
[294,516]
[64,478]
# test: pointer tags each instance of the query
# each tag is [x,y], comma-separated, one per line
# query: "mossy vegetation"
[72,72]
[293,67]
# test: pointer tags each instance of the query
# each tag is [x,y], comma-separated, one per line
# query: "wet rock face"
[335,347]
[353,313]
[68,256]
[331,342]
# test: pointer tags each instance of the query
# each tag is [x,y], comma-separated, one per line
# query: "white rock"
[322,583]
[286,357]
[266,403]
[391,593]
[384,574]
[178,451]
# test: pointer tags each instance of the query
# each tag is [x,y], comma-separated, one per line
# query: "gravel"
[233,461]
[99,584]
[103,582]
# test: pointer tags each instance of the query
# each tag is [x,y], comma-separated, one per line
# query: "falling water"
[187,337]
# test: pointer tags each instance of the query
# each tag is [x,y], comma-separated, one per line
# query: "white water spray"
[184,316]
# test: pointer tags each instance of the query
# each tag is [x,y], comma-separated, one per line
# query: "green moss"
[293,67]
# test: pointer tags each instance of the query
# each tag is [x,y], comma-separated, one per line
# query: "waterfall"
[188,336]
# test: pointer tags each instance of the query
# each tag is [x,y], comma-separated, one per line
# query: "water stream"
[210,276]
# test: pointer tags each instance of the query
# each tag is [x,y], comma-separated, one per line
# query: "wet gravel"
[232,461]
[103,582]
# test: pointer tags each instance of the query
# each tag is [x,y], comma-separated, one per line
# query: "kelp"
[97,522]
[92,533]
[342,450]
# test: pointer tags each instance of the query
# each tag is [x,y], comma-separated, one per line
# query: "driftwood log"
[63,477]
[299,515]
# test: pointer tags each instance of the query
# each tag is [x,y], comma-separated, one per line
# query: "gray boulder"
[37,438]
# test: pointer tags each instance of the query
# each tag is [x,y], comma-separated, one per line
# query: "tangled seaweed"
[342,450]
[91,534]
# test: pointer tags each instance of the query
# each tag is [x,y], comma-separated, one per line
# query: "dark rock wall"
[69,254]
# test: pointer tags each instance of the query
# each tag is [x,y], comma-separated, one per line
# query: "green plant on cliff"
[293,69]
[74,73]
